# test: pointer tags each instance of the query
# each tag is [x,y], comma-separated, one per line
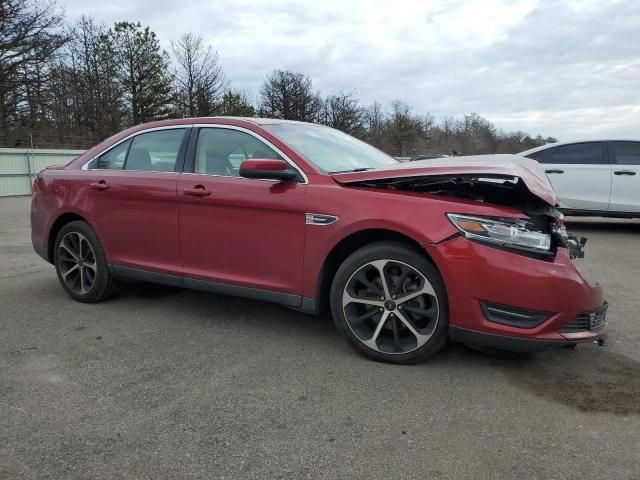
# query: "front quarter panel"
[420,217]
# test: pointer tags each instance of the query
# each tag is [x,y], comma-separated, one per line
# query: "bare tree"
[376,124]
[403,128]
[425,124]
[343,111]
[105,80]
[92,69]
[289,95]
[199,79]
[29,39]
[479,135]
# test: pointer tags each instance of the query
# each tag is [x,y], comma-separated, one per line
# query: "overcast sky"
[570,69]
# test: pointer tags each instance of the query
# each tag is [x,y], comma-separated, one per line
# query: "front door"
[625,189]
[238,231]
[581,175]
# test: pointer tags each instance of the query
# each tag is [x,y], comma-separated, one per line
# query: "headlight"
[511,233]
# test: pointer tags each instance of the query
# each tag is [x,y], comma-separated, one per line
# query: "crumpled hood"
[527,170]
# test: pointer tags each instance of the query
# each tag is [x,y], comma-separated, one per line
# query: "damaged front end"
[574,243]
[538,235]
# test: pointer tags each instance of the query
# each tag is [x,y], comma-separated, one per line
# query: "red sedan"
[404,255]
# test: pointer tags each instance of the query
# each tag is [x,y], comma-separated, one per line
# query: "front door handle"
[101,185]
[554,171]
[624,172]
[197,191]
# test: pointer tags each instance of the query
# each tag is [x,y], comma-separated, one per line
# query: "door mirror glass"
[266,168]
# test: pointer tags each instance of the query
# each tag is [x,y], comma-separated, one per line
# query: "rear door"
[580,174]
[132,195]
[625,189]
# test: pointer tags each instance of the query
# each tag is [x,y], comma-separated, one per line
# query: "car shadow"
[588,378]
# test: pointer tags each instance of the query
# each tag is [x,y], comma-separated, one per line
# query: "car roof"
[263,121]
[556,144]
[224,119]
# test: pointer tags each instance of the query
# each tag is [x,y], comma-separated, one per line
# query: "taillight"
[35,186]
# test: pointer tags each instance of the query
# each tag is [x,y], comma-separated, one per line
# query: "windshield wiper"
[363,169]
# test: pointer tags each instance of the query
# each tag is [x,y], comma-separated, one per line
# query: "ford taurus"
[403,255]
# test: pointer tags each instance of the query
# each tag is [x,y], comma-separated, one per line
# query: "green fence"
[18,167]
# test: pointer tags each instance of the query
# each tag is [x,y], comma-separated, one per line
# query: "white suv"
[600,178]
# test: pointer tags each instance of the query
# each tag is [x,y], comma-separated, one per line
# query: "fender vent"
[319,219]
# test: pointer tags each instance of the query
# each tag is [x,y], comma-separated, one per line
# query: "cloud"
[560,68]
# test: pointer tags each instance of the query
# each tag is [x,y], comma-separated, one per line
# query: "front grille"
[587,321]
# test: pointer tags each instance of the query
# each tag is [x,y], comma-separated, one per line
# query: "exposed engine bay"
[496,189]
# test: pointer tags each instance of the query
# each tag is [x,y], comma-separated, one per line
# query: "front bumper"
[516,344]
[475,273]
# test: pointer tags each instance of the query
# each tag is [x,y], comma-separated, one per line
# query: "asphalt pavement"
[167,383]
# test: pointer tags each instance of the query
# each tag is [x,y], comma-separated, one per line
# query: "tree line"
[72,86]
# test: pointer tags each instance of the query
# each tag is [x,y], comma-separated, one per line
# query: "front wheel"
[81,264]
[389,301]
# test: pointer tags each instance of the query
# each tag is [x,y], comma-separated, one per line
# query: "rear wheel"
[389,300]
[81,264]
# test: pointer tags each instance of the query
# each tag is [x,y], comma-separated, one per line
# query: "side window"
[114,158]
[539,156]
[578,153]
[626,153]
[155,151]
[220,151]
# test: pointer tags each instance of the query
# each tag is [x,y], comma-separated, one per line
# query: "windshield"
[330,150]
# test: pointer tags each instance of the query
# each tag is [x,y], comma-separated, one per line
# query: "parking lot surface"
[169,383]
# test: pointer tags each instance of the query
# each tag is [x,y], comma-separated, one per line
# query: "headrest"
[139,159]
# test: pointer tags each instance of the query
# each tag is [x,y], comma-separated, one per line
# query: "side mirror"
[265,168]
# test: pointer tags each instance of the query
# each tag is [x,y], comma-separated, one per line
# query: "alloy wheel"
[77,263]
[390,306]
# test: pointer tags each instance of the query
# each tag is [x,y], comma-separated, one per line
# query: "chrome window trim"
[213,175]
[260,138]
[85,165]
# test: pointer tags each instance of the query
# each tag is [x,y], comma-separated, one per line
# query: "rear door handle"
[554,171]
[624,172]
[101,185]
[197,191]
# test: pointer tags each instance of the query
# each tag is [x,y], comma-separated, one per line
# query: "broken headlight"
[506,232]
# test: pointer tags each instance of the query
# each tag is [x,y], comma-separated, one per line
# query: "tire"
[88,280]
[414,309]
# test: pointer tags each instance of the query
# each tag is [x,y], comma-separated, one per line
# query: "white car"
[597,177]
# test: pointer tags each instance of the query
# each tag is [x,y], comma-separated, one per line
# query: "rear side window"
[155,151]
[578,153]
[538,156]
[626,153]
[114,158]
